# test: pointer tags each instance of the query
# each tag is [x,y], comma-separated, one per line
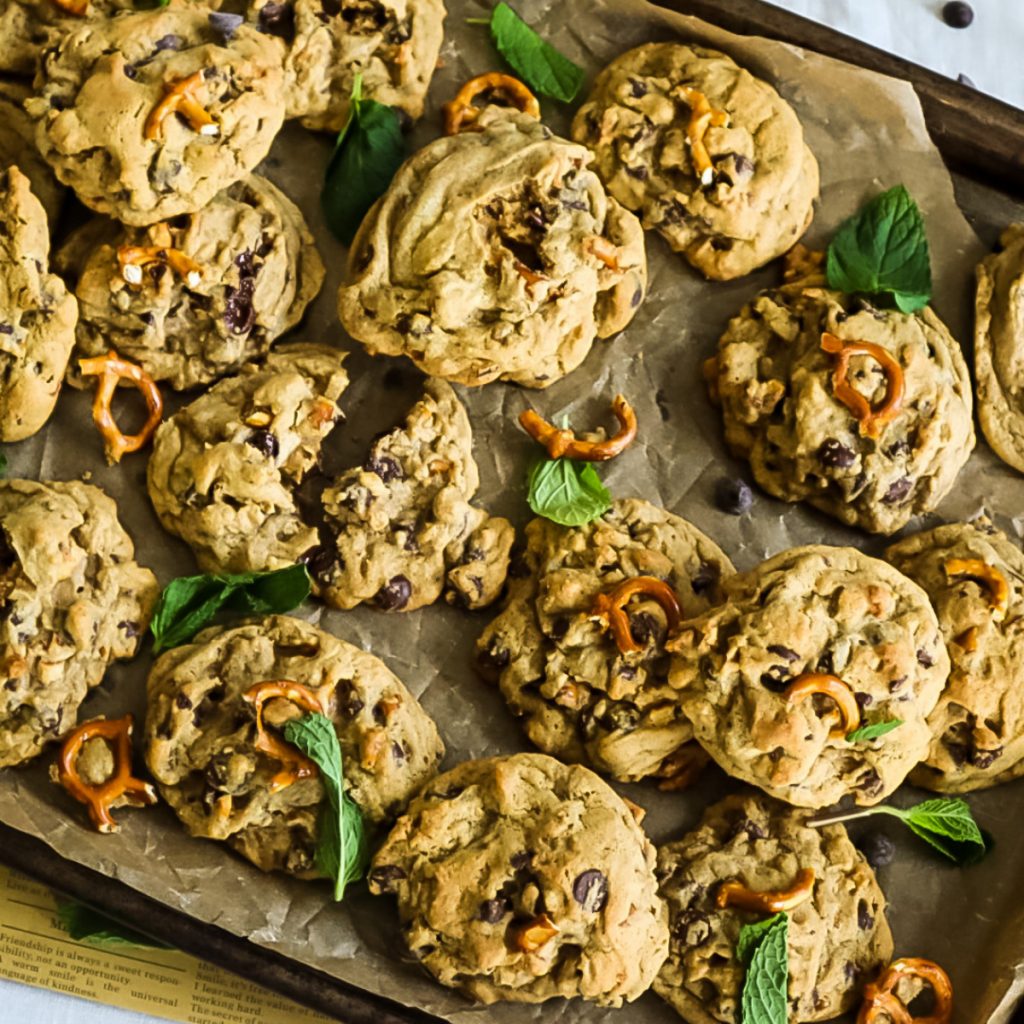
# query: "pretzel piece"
[702,117]
[110,369]
[99,798]
[736,894]
[563,442]
[881,1001]
[76,8]
[536,933]
[460,112]
[872,418]
[611,608]
[132,259]
[985,575]
[810,683]
[180,98]
[294,764]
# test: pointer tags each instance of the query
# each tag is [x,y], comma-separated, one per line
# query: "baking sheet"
[868,134]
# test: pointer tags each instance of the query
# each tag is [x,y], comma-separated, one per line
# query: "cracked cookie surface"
[813,609]
[763,179]
[201,734]
[72,600]
[494,255]
[492,856]
[580,698]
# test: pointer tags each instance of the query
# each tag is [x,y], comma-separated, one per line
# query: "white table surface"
[988,52]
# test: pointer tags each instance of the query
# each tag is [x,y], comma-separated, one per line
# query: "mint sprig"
[567,491]
[883,250]
[764,950]
[542,67]
[945,822]
[369,152]
[84,924]
[189,604]
[342,849]
[873,730]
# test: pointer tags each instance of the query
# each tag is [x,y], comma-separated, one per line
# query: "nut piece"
[536,933]
[810,683]
[295,764]
[611,608]
[563,442]
[985,575]
[180,98]
[871,418]
[702,117]
[882,1003]
[460,111]
[735,894]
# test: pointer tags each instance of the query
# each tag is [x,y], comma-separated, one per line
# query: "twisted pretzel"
[736,894]
[702,117]
[294,764]
[810,683]
[881,1001]
[99,798]
[611,608]
[180,98]
[987,576]
[110,369]
[563,442]
[871,418]
[460,112]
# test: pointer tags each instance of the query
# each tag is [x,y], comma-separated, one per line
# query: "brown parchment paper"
[868,134]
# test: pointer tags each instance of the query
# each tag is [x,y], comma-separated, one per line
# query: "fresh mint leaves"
[873,730]
[883,250]
[543,68]
[85,925]
[945,822]
[189,604]
[763,948]
[370,150]
[342,850]
[567,491]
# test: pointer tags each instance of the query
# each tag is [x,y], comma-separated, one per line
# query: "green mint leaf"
[765,996]
[370,150]
[189,604]
[86,925]
[567,491]
[543,68]
[883,250]
[342,850]
[751,936]
[873,730]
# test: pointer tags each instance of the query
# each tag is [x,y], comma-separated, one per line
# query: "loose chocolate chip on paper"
[957,14]
[733,496]
[878,849]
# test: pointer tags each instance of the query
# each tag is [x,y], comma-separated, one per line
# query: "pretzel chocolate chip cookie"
[561,668]
[838,934]
[808,648]
[72,600]
[201,737]
[149,115]
[521,879]
[18,147]
[196,297]
[494,255]
[864,413]
[974,575]
[708,155]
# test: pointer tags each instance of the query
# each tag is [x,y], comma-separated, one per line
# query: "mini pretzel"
[180,98]
[131,259]
[77,8]
[460,111]
[536,933]
[563,442]
[295,764]
[872,418]
[986,575]
[880,1001]
[611,608]
[736,894]
[702,117]
[810,683]
[605,251]
[110,369]
[682,768]
[117,733]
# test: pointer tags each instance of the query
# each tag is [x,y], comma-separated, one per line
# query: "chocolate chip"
[870,783]
[777,678]
[692,929]
[835,454]
[590,891]
[864,700]
[966,80]
[707,577]
[733,496]
[385,467]
[898,490]
[640,173]
[924,658]
[130,71]
[347,699]
[878,849]
[394,595]
[986,758]
[638,297]
[492,911]
[265,442]
[182,702]
[384,877]
[865,920]
[225,25]
[895,684]
[777,755]
[783,652]
[957,14]
[638,89]
[131,629]
[320,561]
[169,42]
[748,827]
[522,860]
[493,660]
[6,329]
[398,753]
[851,970]
[744,166]
[901,447]
[277,19]
[643,627]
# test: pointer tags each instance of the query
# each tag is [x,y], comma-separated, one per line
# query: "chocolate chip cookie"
[393,44]
[150,114]
[18,147]
[708,155]
[196,297]
[865,413]
[399,530]
[838,937]
[521,879]
[752,675]
[72,600]
[37,315]
[974,575]
[494,255]
[560,668]
[201,737]
[224,469]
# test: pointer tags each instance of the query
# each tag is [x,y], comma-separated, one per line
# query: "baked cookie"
[781,397]
[250,269]
[148,115]
[494,255]
[838,938]
[393,44]
[18,147]
[998,341]
[732,198]
[72,600]
[521,879]
[224,469]
[399,530]
[807,611]
[561,669]
[974,575]
[201,736]
[37,315]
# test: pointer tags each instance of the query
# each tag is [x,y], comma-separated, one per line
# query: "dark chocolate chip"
[777,678]
[878,849]
[643,627]
[385,467]
[957,14]
[265,442]
[692,929]
[398,753]
[522,860]
[320,560]
[783,652]
[394,595]
[924,658]
[590,891]
[898,490]
[835,454]
[733,496]
[865,919]
[870,783]
[384,877]
[748,827]
[637,88]
[864,700]
[169,42]
[707,577]
[131,629]
[966,80]
[492,911]
[225,25]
